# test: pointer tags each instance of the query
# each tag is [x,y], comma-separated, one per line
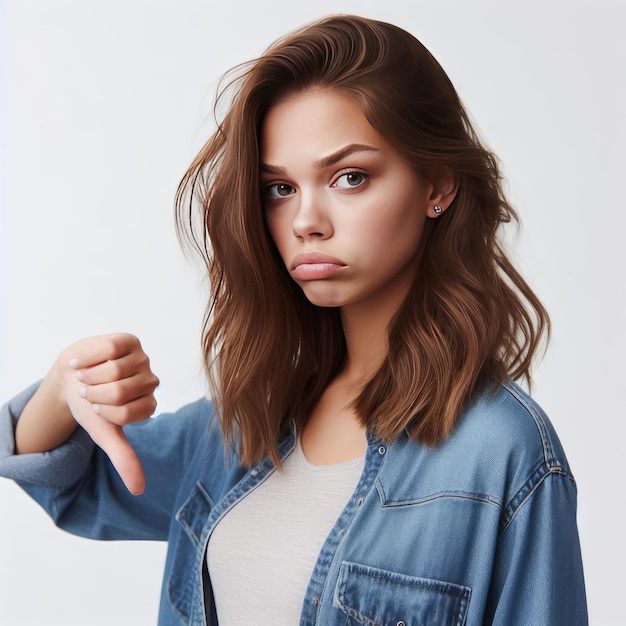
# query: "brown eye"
[279,190]
[350,180]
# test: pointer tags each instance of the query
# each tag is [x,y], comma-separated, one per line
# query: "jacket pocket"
[183,579]
[194,513]
[375,597]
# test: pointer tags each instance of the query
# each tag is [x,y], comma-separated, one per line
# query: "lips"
[315,266]
[315,258]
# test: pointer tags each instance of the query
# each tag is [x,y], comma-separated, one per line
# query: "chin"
[325,303]
[321,298]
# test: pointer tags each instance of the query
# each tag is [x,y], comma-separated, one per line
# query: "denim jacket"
[479,530]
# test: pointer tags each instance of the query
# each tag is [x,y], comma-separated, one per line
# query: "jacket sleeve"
[538,574]
[79,488]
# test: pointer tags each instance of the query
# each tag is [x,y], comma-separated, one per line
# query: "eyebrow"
[326,161]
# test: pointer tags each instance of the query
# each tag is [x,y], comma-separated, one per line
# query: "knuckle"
[117,395]
[132,341]
[116,370]
[123,414]
[112,346]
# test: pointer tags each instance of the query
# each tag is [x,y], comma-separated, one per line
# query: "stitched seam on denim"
[460,593]
[183,617]
[439,495]
[320,585]
[548,450]
[350,612]
[526,492]
[182,583]
[404,580]
[244,486]
[181,515]
[463,603]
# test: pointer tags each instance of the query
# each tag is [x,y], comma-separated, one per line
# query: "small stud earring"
[437,209]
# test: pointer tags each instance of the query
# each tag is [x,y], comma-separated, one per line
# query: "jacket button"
[400,623]
[381,450]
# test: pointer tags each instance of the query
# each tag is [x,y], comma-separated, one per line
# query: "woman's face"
[345,209]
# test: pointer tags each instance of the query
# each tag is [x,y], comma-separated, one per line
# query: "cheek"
[278,230]
[390,225]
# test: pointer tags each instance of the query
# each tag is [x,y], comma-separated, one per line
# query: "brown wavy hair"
[469,320]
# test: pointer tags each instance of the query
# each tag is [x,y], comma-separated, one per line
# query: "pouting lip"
[310,258]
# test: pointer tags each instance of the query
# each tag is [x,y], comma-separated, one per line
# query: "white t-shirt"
[262,552]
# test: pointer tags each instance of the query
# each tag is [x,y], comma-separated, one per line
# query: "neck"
[365,328]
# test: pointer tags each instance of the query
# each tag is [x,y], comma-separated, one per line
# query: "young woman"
[371,460]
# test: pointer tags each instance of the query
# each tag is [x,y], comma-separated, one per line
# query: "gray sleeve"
[59,468]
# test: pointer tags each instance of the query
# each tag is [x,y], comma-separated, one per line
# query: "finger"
[135,411]
[96,350]
[112,440]
[116,369]
[121,391]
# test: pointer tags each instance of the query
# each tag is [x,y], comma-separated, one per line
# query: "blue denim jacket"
[480,530]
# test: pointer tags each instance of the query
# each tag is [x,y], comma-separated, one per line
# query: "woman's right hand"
[101,383]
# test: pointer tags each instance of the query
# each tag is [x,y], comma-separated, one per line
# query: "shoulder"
[503,443]
[513,427]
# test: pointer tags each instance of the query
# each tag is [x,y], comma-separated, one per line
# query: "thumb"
[124,459]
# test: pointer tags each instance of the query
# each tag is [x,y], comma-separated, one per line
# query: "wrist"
[46,421]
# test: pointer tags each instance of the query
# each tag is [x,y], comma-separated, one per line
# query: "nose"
[312,220]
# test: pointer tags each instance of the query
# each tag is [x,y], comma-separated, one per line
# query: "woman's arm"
[78,487]
[101,383]
[538,574]
[46,421]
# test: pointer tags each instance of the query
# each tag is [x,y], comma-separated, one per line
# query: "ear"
[443,192]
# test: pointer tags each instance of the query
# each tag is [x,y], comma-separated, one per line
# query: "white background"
[104,105]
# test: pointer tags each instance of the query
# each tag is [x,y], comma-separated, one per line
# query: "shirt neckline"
[332,467]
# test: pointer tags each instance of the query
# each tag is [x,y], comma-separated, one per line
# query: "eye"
[277,191]
[350,180]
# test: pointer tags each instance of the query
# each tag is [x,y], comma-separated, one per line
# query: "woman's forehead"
[316,126]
